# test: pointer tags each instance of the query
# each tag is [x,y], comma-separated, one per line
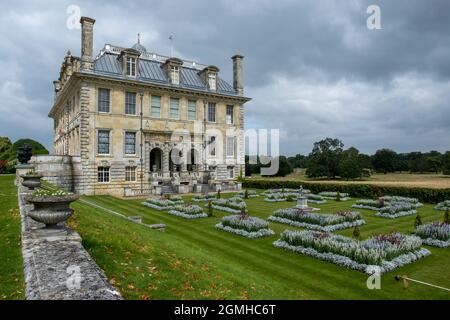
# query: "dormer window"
[129,59]
[209,76]
[172,68]
[212,81]
[131,66]
[174,74]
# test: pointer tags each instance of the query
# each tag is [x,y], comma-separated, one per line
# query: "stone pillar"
[238,80]
[87,43]
[165,163]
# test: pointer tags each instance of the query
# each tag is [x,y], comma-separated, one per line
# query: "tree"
[349,166]
[284,167]
[324,158]
[446,163]
[356,233]
[384,160]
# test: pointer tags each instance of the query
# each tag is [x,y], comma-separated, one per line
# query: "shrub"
[446,216]
[359,190]
[210,209]
[418,221]
[356,233]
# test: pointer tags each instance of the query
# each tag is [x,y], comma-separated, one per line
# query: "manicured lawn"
[423,180]
[11,265]
[193,260]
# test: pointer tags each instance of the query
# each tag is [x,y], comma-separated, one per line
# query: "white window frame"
[98,142]
[131,66]
[125,143]
[192,103]
[230,172]
[127,93]
[103,174]
[154,106]
[99,100]
[130,174]
[212,81]
[212,106]
[229,117]
[212,145]
[233,146]
[170,108]
[175,75]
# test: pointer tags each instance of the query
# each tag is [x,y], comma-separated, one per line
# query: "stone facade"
[173,148]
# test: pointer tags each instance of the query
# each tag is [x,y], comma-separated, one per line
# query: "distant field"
[437,181]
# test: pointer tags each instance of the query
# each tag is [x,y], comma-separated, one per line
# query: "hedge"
[427,195]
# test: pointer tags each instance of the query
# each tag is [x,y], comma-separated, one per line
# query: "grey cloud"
[344,76]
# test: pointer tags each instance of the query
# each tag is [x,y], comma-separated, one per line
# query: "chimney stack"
[238,82]
[87,33]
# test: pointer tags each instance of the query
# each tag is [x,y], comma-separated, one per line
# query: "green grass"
[193,260]
[11,265]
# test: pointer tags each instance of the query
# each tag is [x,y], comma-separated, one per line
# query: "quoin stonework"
[128,122]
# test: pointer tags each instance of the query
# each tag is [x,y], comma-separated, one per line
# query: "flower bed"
[396,210]
[204,197]
[315,198]
[397,199]
[249,227]
[231,205]
[159,204]
[390,206]
[331,195]
[285,190]
[435,234]
[275,197]
[443,206]
[188,211]
[176,199]
[323,222]
[368,204]
[387,252]
[251,194]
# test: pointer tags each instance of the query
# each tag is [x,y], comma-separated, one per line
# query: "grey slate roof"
[151,71]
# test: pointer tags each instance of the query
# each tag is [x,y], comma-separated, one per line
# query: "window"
[192,110]
[212,81]
[174,108]
[130,142]
[130,103]
[131,67]
[103,174]
[175,75]
[230,114]
[230,146]
[156,107]
[230,171]
[212,146]
[130,173]
[103,141]
[211,112]
[103,100]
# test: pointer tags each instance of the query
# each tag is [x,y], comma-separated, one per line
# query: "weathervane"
[171,45]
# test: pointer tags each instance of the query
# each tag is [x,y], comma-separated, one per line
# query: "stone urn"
[51,210]
[31,181]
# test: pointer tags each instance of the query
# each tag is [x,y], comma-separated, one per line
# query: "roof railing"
[108,48]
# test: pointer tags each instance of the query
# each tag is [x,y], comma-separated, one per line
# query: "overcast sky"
[312,68]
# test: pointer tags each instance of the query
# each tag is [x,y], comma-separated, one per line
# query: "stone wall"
[56,266]
[62,171]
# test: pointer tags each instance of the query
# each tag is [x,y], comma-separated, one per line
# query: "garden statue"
[24,154]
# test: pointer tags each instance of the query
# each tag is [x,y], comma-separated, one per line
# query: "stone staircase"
[167,189]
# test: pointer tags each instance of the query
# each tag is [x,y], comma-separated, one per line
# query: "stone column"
[87,43]
[165,162]
[238,81]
